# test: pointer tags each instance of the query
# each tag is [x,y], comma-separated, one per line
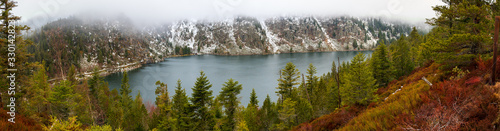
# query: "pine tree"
[138,115]
[82,108]
[321,98]
[466,32]
[303,109]
[355,44]
[415,40]
[38,95]
[116,111]
[380,65]
[286,115]
[125,90]
[253,99]
[103,99]
[229,95]
[129,122]
[381,37]
[359,84]
[289,78]
[218,115]
[95,81]
[61,99]
[201,98]
[165,107]
[269,113]
[400,54]
[333,72]
[251,112]
[333,94]
[311,79]
[21,63]
[180,107]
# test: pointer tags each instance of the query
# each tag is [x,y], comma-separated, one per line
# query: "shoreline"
[136,65]
[281,53]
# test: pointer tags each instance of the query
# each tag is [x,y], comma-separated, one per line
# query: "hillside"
[247,35]
[458,100]
[114,44]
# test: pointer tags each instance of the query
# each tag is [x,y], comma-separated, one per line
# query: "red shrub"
[333,120]
[22,123]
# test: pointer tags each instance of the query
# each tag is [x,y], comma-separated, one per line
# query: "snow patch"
[272,38]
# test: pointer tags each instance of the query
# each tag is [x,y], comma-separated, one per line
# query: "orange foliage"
[465,104]
[22,123]
[333,120]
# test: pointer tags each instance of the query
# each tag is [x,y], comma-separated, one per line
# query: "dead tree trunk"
[495,39]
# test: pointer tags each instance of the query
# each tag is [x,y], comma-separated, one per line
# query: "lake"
[259,72]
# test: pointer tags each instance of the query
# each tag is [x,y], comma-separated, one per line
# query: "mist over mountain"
[108,42]
[36,13]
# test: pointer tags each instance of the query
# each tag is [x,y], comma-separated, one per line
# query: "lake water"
[256,71]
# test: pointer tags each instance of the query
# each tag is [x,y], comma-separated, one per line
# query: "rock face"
[114,42]
[247,35]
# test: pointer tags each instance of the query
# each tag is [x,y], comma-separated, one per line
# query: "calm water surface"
[259,72]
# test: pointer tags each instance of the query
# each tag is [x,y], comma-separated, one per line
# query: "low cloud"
[38,12]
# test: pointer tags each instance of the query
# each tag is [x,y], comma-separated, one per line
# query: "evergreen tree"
[129,122]
[355,44]
[303,110]
[321,98]
[21,62]
[165,107]
[289,78]
[333,71]
[125,90]
[466,31]
[381,37]
[401,58]
[116,112]
[286,115]
[61,99]
[333,94]
[253,99]
[83,109]
[103,101]
[95,81]
[251,112]
[380,65]
[229,95]
[269,113]
[218,115]
[201,98]
[415,41]
[358,84]
[138,114]
[311,79]
[38,95]
[180,107]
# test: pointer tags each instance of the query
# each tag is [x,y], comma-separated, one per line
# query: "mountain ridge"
[114,41]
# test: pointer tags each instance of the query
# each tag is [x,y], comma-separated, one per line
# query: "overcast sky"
[155,11]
